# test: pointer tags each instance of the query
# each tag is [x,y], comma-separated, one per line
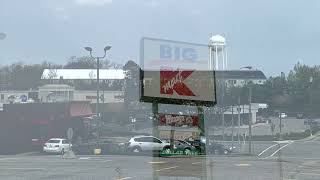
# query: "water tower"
[218,53]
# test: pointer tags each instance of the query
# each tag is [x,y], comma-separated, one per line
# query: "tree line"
[22,76]
[298,91]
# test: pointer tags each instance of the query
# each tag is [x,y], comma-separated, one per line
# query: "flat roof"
[240,74]
[83,74]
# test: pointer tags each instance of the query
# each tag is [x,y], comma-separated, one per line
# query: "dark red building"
[24,127]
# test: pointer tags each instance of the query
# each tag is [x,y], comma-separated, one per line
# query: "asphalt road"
[296,160]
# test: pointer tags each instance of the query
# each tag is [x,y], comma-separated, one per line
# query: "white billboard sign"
[159,54]
[176,72]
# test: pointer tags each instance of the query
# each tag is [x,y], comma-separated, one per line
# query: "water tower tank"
[217,40]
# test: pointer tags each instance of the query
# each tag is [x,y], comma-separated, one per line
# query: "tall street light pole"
[239,111]
[89,49]
[250,120]
[310,91]
[310,102]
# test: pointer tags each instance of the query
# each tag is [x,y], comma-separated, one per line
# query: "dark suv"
[183,146]
[219,149]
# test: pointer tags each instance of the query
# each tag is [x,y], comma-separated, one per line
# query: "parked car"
[180,145]
[146,143]
[216,148]
[56,145]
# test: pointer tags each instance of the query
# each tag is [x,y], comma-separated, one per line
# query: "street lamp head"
[107,48]
[2,36]
[88,49]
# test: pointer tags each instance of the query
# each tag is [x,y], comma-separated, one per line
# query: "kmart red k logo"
[171,81]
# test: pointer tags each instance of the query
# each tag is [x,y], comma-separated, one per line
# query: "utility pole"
[280,126]
[310,93]
[223,109]
[232,124]
[223,125]
[250,121]
[239,111]
[98,87]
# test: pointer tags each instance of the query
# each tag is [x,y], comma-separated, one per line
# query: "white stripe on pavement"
[3,159]
[243,165]
[196,163]
[84,158]
[173,167]
[157,162]
[40,169]
[279,149]
[124,178]
[267,149]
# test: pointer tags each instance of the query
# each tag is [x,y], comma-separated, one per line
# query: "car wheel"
[136,149]
[225,152]
[187,151]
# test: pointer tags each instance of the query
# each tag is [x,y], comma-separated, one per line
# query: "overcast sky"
[271,35]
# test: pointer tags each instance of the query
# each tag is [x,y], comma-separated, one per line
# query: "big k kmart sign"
[176,72]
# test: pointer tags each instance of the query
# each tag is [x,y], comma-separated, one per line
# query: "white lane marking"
[291,157]
[84,158]
[124,178]
[243,165]
[280,149]
[41,169]
[157,162]
[277,150]
[196,163]
[267,149]
[173,167]
[3,159]
[90,158]
[311,174]
[284,142]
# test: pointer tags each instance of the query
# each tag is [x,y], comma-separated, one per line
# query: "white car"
[56,145]
[146,143]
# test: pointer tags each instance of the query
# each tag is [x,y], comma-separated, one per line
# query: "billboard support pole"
[155,119]
[155,131]
[250,121]
[201,118]
[203,133]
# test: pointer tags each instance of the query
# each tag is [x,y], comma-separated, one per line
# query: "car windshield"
[160,89]
[54,141]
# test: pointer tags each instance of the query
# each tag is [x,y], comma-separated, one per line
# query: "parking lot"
[298,160]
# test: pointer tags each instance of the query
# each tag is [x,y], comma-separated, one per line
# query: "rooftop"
[118,74]
[240,74]
[83,74]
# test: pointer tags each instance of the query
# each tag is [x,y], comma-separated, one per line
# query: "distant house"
[82,85]
[82,74]
[239,78]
